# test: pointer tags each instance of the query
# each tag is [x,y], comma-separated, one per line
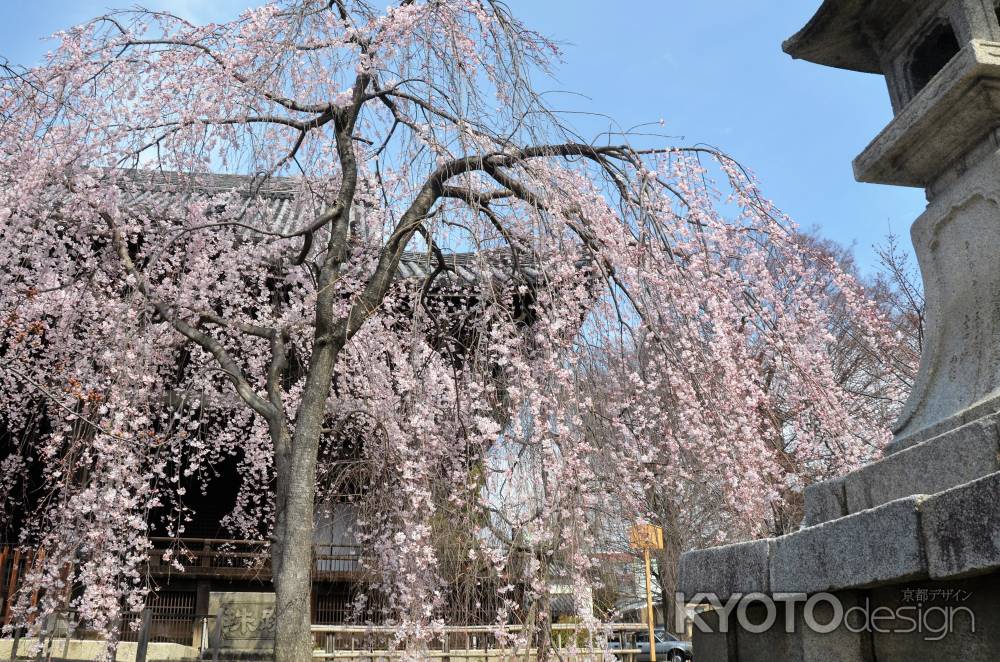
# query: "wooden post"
[203,592]
[3,562]
[646,537]
[47,636]
[217,633]
[11,586]
[143,646]
[649,606]
[67,575]
[36,565]
[69,635]
[206,554]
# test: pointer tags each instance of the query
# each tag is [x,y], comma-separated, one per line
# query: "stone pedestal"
[892,537]
[957,242]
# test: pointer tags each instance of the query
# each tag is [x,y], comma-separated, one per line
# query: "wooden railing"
[200,557]
[477,643]
[197,556]
[218,557]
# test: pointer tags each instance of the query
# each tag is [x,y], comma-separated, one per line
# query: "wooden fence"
[172,619]
[477,643]
[474,643]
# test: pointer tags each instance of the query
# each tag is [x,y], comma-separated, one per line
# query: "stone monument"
[244,622]
[900,560]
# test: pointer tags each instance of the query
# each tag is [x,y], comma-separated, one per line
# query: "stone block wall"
[927,558]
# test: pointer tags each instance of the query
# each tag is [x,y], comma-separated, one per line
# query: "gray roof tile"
[284,204]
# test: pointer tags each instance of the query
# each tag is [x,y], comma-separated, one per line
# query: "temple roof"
[282,204]
[834,37]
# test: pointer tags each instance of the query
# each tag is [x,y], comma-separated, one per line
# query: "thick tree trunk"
[669,606]
[292,554]
[293,574]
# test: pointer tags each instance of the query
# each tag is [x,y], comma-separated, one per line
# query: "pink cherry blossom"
[627,320]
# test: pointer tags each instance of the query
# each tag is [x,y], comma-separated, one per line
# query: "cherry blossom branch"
[54,400]
[281,100]
[207,342]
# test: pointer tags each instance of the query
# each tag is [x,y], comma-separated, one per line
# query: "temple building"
[199,570]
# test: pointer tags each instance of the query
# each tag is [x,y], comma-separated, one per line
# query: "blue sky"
[713,70]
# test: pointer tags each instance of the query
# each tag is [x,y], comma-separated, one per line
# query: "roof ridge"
[282,208]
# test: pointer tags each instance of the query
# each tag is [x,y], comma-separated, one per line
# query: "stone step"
[954,533]
[981,409]
[955,457]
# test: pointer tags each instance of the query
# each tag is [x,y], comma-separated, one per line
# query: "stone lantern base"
[906,549]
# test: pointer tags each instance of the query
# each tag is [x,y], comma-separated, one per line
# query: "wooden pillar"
[36,565]
[142,647]
[11,586]
[206,554]
[203,590]
[4,553]
[217,633]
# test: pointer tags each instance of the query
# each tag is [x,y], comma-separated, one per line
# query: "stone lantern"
[941,61]
[917,534]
